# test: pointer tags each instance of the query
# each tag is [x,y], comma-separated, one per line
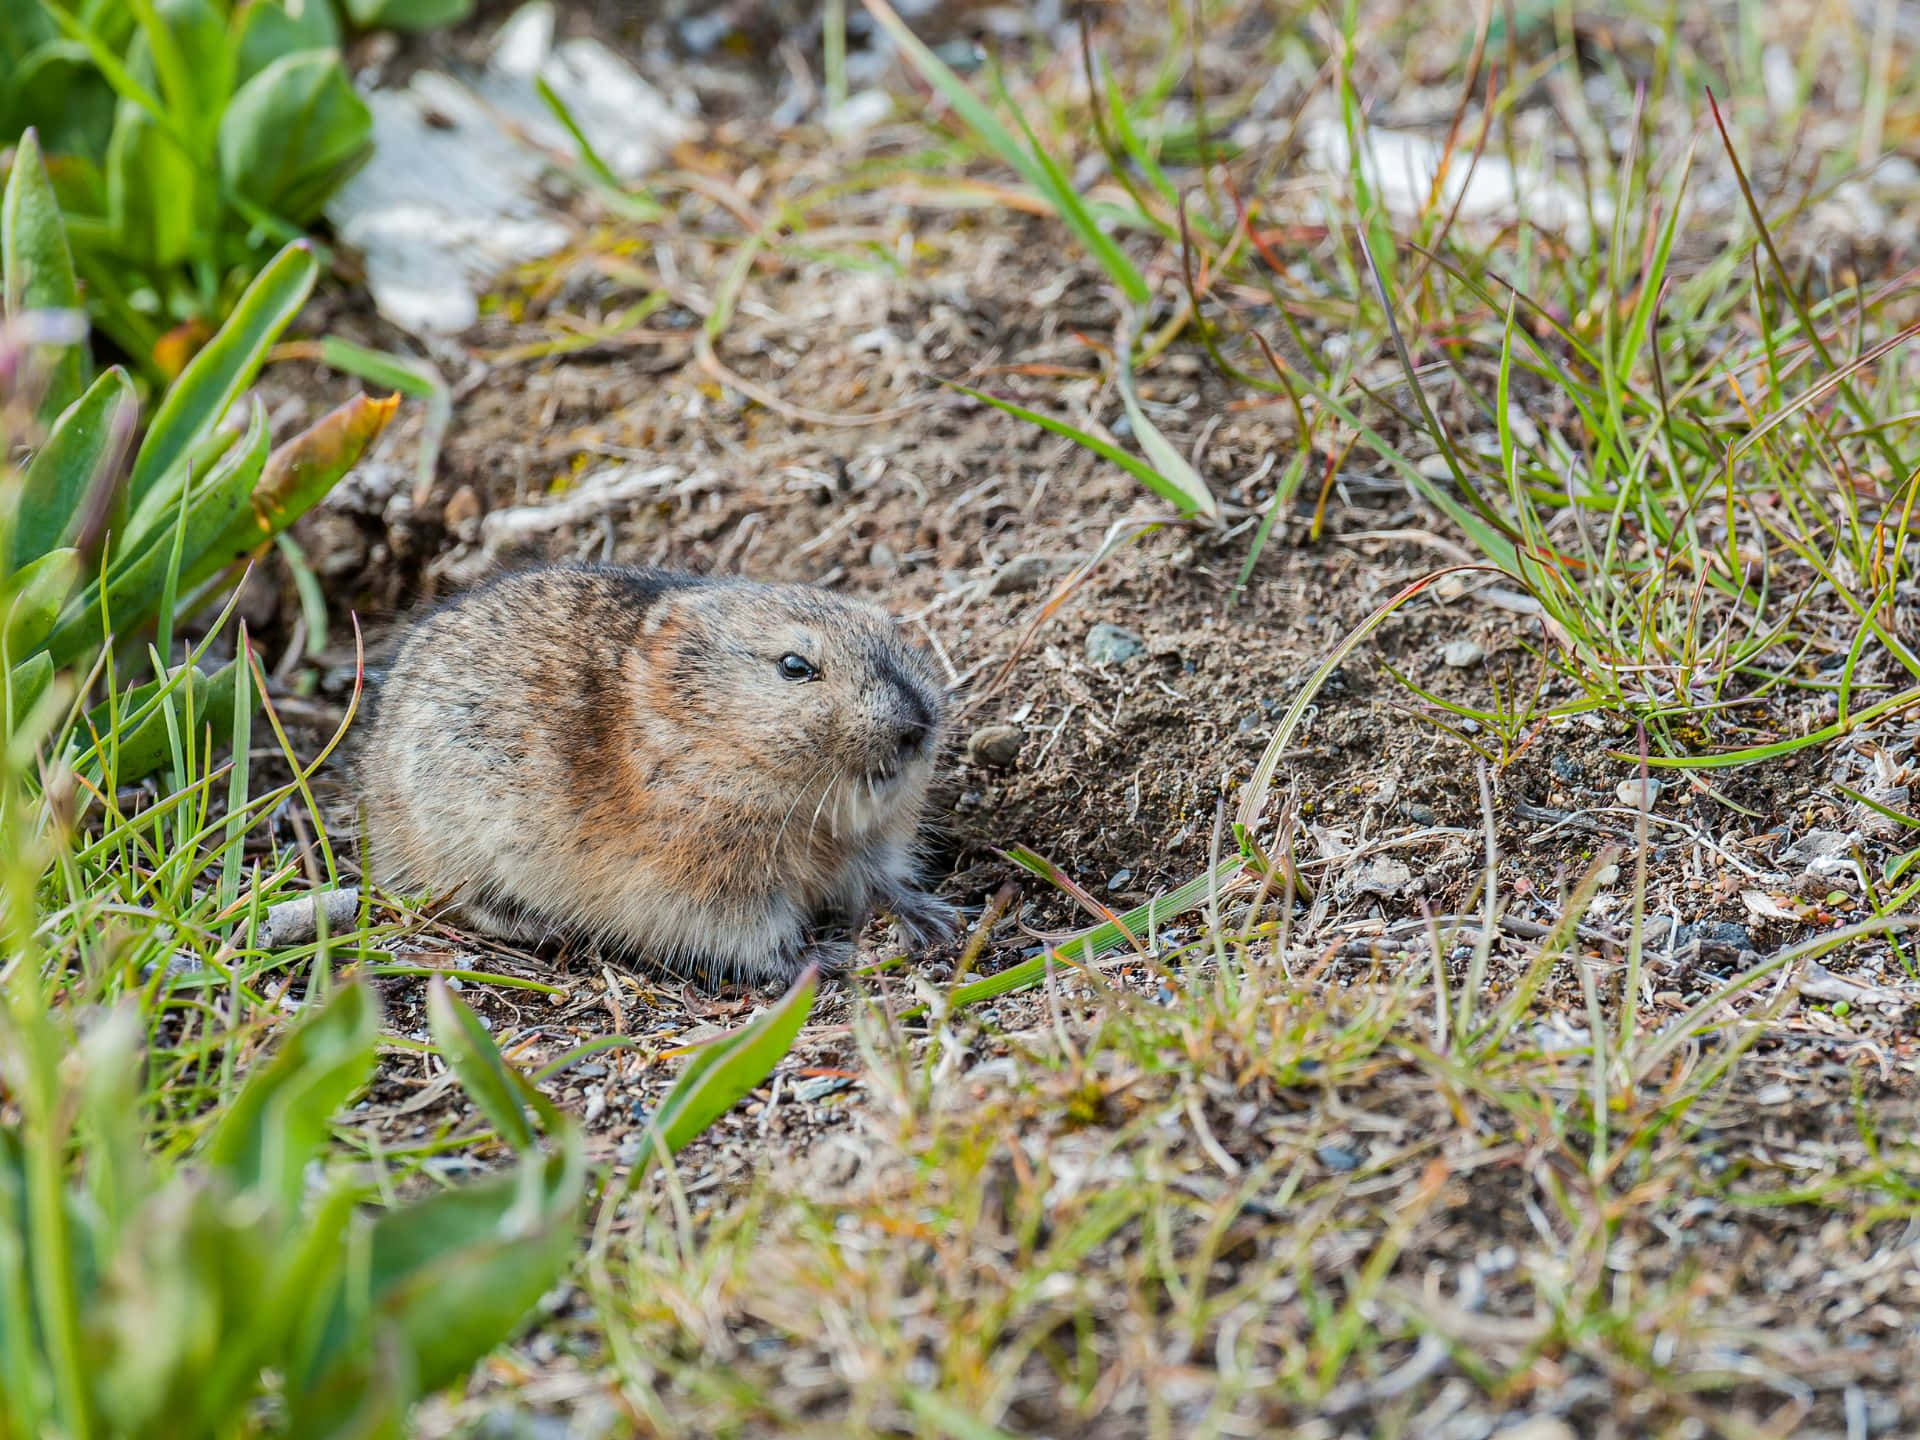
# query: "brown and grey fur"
[615,754]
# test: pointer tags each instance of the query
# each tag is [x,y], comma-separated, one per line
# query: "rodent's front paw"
[921,917]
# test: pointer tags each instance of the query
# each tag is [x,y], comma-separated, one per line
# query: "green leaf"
[56,90]
[268,30]
[282,1114]
[406,14]
[40,589]
[187,40]
[475,1061]
[36,267]
[79,453]
[301,471]
[721,1073]
[364,1398]
[151,191]
[27,682]
[294,133]
[224,367]
[454,1274]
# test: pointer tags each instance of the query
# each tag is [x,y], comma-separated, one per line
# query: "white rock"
[1638,793]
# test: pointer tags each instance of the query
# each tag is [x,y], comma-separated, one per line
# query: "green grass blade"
[1170,491]
[1168,463]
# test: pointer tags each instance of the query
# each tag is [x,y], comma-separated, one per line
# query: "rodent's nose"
[913,723]
[910,738]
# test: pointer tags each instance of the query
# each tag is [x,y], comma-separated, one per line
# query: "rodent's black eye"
[796,667]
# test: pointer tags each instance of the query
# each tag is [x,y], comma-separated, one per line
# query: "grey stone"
[995,745]
[1112,645]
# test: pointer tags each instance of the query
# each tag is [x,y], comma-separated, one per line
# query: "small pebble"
[1606,875]
[1119,880]
[1537,1427]
[1638,793]
[1722,935]
[1112,645]
[822,1086]
[1462,653]
[1022,573]
[995,745]
[1337,1157]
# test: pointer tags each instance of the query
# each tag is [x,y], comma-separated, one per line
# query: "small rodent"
[721,777]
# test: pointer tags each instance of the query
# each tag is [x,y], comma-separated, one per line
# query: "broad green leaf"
[305,1265]
[26,683]
[451,1276]
[475,1060]
[55,90]
[79,453]
[269,29]
[36,267]
[224,368]
[294,133]
[152,191]
[277,1122]
[406,14]
[187,41]
[184,1291]
[721,1073]
[23,29]
[366,1397]
[301,471]
[40,590]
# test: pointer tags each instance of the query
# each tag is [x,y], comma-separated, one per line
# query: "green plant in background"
[146,1303]
[94,556]
[188,141]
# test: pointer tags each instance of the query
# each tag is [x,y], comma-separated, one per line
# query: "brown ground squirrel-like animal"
[721,777]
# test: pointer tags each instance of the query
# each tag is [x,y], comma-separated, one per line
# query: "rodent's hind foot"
[506,923]
[834,957]
[921,917]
